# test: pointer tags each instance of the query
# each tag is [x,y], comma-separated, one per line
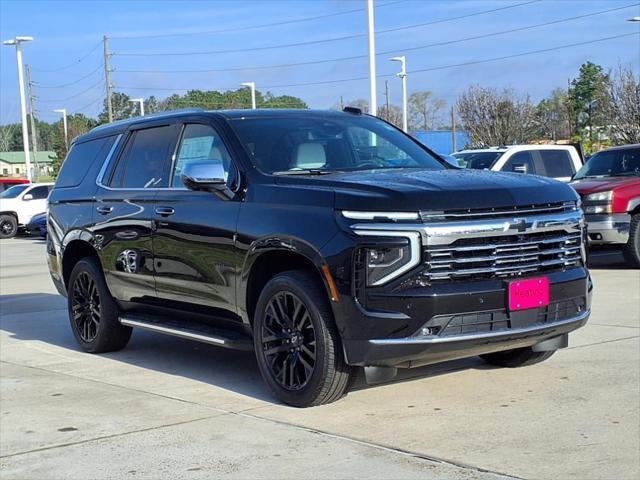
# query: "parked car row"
[608,183]
[19,204]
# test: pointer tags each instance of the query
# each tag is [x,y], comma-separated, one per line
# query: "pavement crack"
[108,437]
[603,342]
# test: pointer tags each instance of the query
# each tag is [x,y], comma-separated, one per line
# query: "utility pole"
[32,120]
[386,96]
[373,99]
[341,103]
[107,77]
[453,130]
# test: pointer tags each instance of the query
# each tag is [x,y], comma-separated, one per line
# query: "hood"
[409,189]
[602,184]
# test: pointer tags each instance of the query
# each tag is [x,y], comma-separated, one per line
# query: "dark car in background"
[322,241]
[609,185]
[38,225]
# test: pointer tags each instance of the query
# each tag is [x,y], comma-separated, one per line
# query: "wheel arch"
[268,257]
[76,247]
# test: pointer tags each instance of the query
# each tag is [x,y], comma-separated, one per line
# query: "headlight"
[386,262]
[599,202]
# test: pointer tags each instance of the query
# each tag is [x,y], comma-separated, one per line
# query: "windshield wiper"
[308,171]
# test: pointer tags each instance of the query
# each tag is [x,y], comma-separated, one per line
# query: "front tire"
[520,357]
[297,343]
[631,250]
[93,313]
[8,226]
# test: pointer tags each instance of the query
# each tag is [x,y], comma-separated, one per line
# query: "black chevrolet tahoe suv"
[322,241]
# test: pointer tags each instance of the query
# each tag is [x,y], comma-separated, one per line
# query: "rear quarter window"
[556,163]
[80,159]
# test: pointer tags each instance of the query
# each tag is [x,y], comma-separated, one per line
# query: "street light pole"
[252,86]
[140,102]
[403,75]
[373,99]
[63,112]
[17,42]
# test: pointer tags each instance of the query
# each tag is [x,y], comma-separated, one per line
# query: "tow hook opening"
[561,341]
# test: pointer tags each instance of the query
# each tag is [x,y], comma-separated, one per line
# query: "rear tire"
[297,343]
[631,250]
[8,226]
[520,357]
[93,313]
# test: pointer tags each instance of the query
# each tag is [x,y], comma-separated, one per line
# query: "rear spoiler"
[578,147]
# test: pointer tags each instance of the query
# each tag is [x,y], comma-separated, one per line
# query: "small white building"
[12,163]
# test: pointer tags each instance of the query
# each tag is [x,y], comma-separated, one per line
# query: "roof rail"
[353,110]
[167,113]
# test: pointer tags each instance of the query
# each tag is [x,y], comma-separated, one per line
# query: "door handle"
[164,211]
[104,210]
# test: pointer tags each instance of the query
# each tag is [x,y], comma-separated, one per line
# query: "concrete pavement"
[169,408]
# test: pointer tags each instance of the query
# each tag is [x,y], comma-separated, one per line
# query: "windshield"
[612,163]
[306,144]
[14,191]
[477,160]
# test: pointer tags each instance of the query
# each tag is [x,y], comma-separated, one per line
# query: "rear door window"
[39,193]
[555,163]
[80,159]
[144,162]
[520,162]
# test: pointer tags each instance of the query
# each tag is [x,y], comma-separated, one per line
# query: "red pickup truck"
[609,185]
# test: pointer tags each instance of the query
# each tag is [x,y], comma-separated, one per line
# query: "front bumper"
[608,228]
[414,352]
[463,320]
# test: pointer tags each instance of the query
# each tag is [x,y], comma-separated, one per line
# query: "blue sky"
[68,31]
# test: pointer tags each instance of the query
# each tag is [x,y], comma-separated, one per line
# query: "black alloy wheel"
[289,341]
[85,306]
[8,226]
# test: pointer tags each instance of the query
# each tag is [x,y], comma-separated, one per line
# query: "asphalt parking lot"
[169,408]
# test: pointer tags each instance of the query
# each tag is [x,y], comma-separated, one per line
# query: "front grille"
[502,256]
[496,212]
[498,320]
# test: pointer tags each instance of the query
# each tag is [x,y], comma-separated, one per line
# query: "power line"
[98,83]
[254,27]
[92,72]
[309,42]
[73,64]
[387,52]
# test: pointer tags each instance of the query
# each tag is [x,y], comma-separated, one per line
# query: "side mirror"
[520,168]
[207,176]
[27,197]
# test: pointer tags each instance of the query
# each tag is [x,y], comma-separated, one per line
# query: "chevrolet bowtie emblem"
[519,224]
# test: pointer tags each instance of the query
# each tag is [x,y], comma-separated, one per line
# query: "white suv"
[19,204]
[555,161]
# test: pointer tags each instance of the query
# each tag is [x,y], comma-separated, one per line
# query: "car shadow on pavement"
[43,317]
[606,258]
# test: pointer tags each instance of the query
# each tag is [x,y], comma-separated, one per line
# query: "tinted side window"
[143,163]
[556,163]
[200,143]
[79,160]
[519,162]
[39,193]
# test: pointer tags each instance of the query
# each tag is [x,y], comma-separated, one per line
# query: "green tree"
[589,97]
[122,107]
[77,124]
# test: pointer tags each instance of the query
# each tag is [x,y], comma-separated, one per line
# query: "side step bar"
[199,332]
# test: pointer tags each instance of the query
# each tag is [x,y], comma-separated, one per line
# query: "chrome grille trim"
[473,214]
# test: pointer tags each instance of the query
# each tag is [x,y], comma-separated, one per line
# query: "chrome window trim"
[414,244]
[105,166]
